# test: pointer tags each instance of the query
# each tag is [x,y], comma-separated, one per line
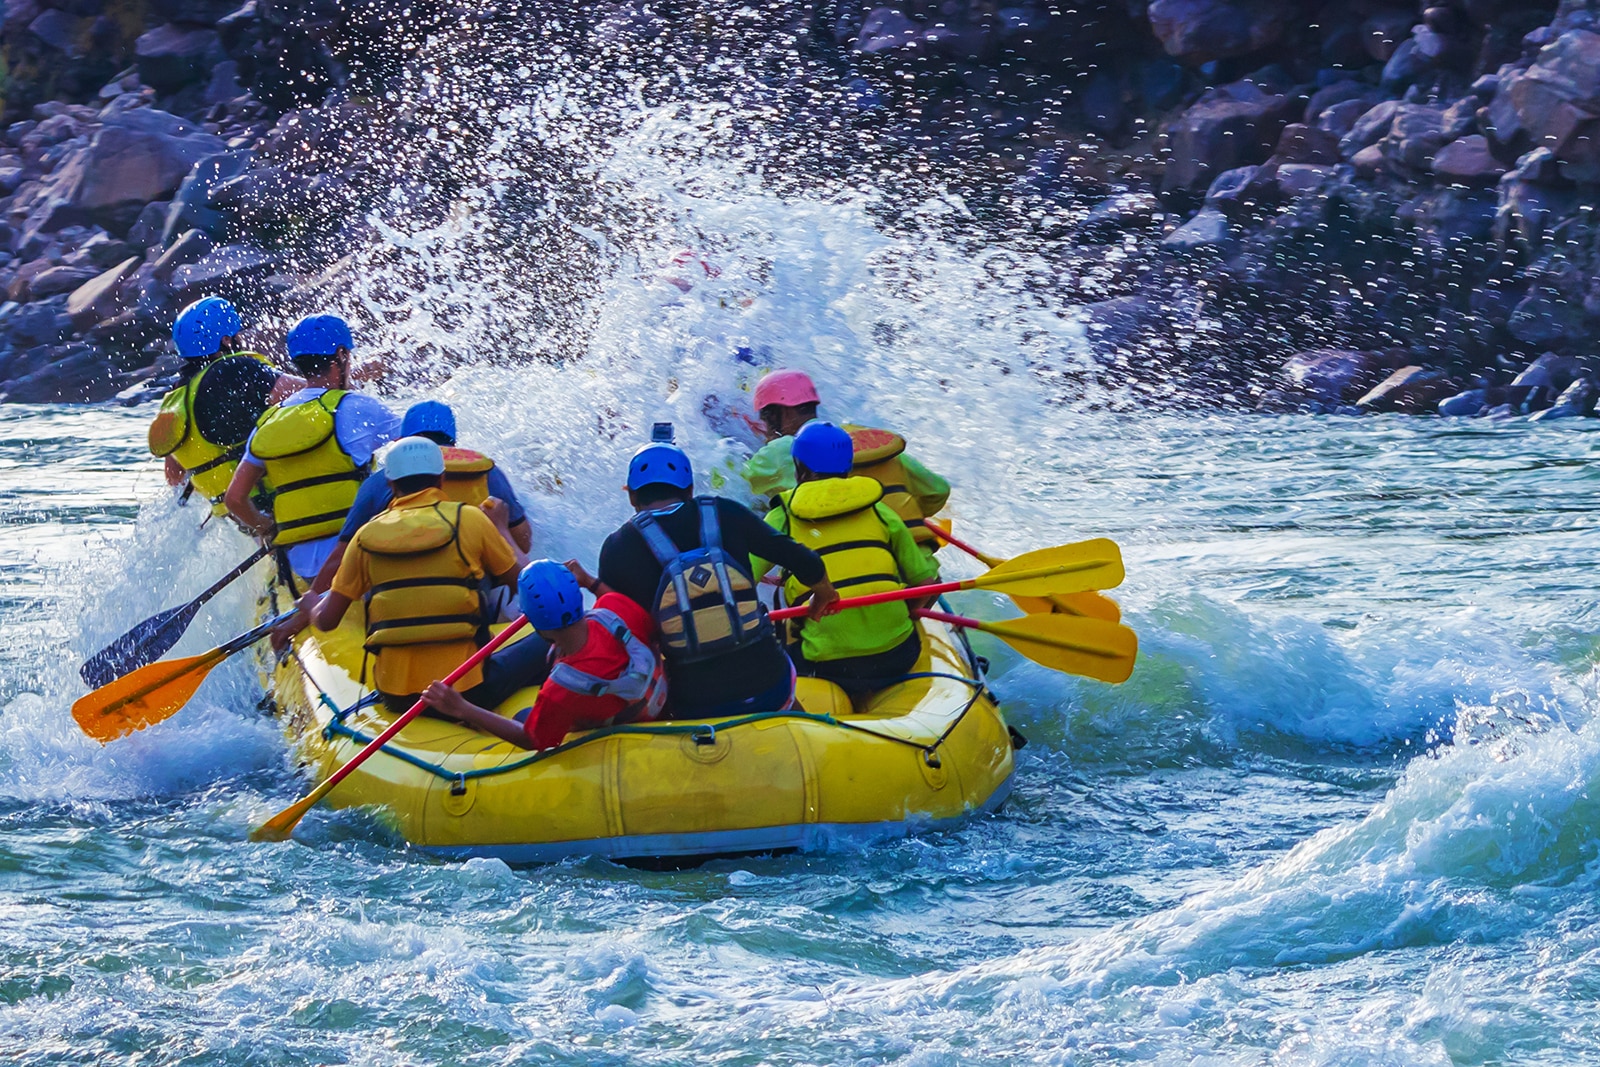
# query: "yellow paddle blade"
[1087,604]
[281,825]
[1093,648]
[1057,571]
[144,697]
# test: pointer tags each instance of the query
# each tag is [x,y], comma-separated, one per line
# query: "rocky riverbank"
[1371,205]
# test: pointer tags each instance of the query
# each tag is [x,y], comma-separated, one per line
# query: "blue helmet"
[824,448]
[429,416]
[199,328]
[549,595]
[319,335]
[660,464]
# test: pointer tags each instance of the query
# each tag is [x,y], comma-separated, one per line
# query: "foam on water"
[1343,813]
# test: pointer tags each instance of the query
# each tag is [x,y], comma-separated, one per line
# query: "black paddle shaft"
[155,636]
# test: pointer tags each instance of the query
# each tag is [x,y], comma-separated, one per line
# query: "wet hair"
[443,440]
[658,492]
[416,483]
[315,366]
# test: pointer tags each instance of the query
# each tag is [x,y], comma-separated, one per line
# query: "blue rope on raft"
[337,728]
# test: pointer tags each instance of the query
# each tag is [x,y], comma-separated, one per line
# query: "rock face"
[1267,204]
[1201,31]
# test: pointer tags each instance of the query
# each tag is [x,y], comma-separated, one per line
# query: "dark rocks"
[191,247]
[172,56]
[82,375]
[1229,127]
[1552,105]
[135,158]
[1412,390]
[190,208]
[1577,400]
[1200,31]
[227,271]
[1325,379]
[59,280]
[1208,229]
[98,298]
[1468,162]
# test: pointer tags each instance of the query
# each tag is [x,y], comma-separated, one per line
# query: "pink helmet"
[789,388]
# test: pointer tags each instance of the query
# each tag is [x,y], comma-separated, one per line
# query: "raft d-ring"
[931,758]
[932,768]
[704,745]
[458,799]
[704,735]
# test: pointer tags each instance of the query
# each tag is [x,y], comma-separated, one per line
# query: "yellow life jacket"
[173,432]
[877,456]
[314,480]
[835,518]
[466,475]
[424,589]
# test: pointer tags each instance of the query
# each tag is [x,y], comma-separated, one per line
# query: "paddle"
[1071,568]
[153,638]
[154,692]
[281,825]
[1087,603]
[1093,648]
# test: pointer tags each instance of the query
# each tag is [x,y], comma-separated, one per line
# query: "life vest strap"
[846,546]
[230,455]
[865,579]
[312,520]
[415,583]
[322,479]
[424,620]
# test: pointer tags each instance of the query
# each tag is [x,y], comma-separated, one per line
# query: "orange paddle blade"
[144,697]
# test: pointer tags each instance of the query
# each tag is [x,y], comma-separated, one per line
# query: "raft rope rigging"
[704,733]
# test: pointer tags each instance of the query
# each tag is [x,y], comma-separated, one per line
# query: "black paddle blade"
[140,646]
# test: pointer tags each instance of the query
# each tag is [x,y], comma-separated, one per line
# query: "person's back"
[204,421]
[866,548]
[601,669]
[689,559]
[420,567]
[787,401]
[314,448]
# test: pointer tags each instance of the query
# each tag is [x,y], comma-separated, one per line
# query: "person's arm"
[763,541]
[453,705]
[930,490]
[521,534]
[778,519]
[237,499]
[503,561]
[771,470]
[916,566]
[286,386]
[175,474]
[350,583]
[327,612]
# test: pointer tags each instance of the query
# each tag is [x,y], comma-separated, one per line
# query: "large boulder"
[1329,377]
[59,280]
[1468,162]
[1413,390]
[136,157]
[171,56]
[1228,127]
[1199,31]
[229,271]
[99,297]
[1554,104]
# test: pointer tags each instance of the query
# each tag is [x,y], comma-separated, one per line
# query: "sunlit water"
[1343,813]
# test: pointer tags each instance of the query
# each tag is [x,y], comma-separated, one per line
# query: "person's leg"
[518,665]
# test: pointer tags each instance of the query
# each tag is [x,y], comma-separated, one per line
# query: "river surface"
[1344,812]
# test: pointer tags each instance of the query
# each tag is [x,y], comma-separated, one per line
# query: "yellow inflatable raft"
[923,753]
